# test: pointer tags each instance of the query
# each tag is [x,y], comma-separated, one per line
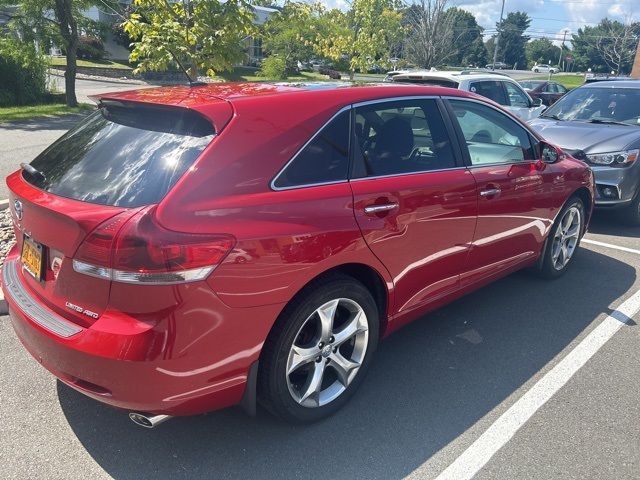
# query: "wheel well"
[370,278]
[583,194]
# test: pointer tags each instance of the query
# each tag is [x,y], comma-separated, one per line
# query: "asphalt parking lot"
[521,379]
[434,389]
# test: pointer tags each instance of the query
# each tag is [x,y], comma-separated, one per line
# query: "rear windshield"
[125,156]
[438,82]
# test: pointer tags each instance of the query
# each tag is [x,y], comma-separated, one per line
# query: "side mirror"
[537,102]
[550,153]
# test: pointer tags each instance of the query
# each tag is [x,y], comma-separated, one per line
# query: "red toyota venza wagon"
[186,249]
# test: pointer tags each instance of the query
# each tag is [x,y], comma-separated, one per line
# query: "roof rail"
[473,71]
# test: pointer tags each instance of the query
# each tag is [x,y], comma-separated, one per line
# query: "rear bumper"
[174,365]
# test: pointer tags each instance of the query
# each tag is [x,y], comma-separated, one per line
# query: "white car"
[544,69]
[498,87]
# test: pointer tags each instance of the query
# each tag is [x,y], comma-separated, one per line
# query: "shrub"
[90,48]
[22,73]
[274,68]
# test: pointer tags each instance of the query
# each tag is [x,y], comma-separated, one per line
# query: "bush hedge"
[274,68]
[22,73]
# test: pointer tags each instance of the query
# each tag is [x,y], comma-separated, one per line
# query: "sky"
[550,17]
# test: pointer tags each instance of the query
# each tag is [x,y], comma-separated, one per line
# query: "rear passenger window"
[517,98]
[491,89]
[399,137]
[325,159]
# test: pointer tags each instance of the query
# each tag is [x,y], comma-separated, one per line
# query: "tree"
[294,31]
[430,35]
[204,34]
[363,36]
[541,51]
[608,46]
[511,47]
[67,20]
[467,45]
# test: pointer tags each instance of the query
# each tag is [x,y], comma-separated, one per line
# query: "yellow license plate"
[32,257]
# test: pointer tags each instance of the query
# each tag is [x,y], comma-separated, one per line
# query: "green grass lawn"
[10,114]
[62,61]
[249,74]
[568,80]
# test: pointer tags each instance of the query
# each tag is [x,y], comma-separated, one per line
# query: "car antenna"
[192,82]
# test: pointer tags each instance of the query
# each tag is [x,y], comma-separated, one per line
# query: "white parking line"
[609,245]
[504,428]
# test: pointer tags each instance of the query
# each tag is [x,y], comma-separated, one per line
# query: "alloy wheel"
[327,352]
[566,238]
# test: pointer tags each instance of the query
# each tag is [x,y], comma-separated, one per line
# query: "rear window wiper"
[607,122]
[33,172]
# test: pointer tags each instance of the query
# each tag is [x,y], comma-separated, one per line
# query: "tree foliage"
[511,45]
[541,51]
[204,34]
[61,20]
[467,45]
[363,35]
[430,35]
[294,32]
[608,46]
[22,73]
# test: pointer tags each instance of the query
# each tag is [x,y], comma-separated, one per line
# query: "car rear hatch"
[71,202]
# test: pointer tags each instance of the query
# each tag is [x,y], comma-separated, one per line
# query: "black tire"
[546,267]
[273,388]
[631,214]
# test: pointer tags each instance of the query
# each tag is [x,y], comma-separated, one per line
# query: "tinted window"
[400,137]
[490,89]
[491,136]
[324,159]
[517,97]
[123,156]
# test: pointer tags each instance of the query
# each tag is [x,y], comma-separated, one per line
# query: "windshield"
[608,105]
[125,156]
[530,85]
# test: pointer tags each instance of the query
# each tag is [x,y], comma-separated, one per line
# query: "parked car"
[497,66]
[498,87]
[126,283]
[548,92]
[389,76]
[542,68]
[600,124]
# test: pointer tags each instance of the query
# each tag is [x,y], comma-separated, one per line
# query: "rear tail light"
[135,249]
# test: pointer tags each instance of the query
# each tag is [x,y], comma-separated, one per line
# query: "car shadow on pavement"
[429,383]
[610,223]
[64,122]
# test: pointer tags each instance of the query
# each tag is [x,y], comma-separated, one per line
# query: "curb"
[4,308]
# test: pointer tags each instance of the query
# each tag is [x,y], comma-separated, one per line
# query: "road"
[433,389]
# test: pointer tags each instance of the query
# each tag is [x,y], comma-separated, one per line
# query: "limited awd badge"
[81,310]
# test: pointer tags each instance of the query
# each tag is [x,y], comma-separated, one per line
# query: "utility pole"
[495,47]
[564,36]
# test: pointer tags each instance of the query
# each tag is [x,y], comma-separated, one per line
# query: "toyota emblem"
[17,206]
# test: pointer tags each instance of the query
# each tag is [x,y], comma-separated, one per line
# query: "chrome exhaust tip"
[148,421]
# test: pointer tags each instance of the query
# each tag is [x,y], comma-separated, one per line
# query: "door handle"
[489,192]
[371,209]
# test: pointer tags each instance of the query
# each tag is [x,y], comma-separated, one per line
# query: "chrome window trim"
[30,308]
[344,109]
[272,185]
[391,175]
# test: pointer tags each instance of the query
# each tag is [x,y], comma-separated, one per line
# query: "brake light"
[141,251]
